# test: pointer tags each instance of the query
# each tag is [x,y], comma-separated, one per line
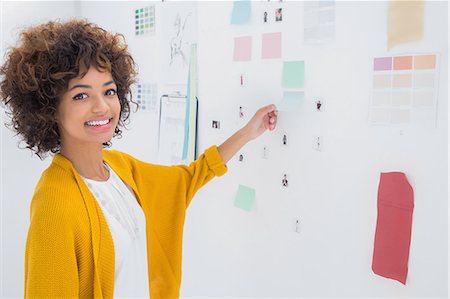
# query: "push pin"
[241,113]
[284,139]
[265,152]
[318,143]
[241,158]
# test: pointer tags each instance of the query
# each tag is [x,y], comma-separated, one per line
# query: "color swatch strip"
[418,62]
[404,90]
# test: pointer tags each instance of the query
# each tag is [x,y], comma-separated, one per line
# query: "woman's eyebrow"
[89,86]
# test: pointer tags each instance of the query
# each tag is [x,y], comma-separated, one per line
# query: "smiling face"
[89,111]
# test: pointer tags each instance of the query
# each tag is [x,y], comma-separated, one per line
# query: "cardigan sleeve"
[178,181]
[50,259]
[173,182]
[201,171]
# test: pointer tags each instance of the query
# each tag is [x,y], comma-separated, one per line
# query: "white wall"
[231,253]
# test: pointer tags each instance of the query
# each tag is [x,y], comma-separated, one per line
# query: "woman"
[103,224]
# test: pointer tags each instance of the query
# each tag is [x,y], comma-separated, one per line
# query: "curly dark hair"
[37,72]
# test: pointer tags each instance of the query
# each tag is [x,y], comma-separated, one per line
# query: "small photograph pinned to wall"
[284,140]
[241,80]
[144,20]
[265,152]
[284,181]
[241,112]
[318,104]
[318,143]
[297,225]
[216,124]
[278,15]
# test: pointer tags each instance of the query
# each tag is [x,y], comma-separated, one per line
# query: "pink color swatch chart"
[404,90]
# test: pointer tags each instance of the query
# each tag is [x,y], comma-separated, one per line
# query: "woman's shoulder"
[57,185]
[60,174]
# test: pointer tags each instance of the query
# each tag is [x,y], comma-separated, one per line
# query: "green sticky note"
[245,198]
[293,74]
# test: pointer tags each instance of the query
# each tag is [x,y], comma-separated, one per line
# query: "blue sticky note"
[291,101]
[245,198]
[241,12]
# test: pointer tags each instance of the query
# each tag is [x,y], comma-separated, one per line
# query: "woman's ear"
[56,116]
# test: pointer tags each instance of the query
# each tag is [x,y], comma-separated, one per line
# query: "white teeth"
[98,123]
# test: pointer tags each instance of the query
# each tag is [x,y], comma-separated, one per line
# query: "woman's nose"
[100,105]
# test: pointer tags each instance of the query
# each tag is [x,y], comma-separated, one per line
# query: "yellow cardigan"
[70,251]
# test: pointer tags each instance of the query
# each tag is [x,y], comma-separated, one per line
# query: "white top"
[126,221]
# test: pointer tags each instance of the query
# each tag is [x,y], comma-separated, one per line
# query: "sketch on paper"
[178,36]
[178,46]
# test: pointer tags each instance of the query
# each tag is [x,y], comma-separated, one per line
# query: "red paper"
[393,232]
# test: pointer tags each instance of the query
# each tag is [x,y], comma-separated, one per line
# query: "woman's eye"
[80,96]
[111,92]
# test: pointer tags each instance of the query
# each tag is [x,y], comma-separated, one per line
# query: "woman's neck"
[87,161]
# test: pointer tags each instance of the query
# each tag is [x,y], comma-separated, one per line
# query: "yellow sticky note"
[405,21]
